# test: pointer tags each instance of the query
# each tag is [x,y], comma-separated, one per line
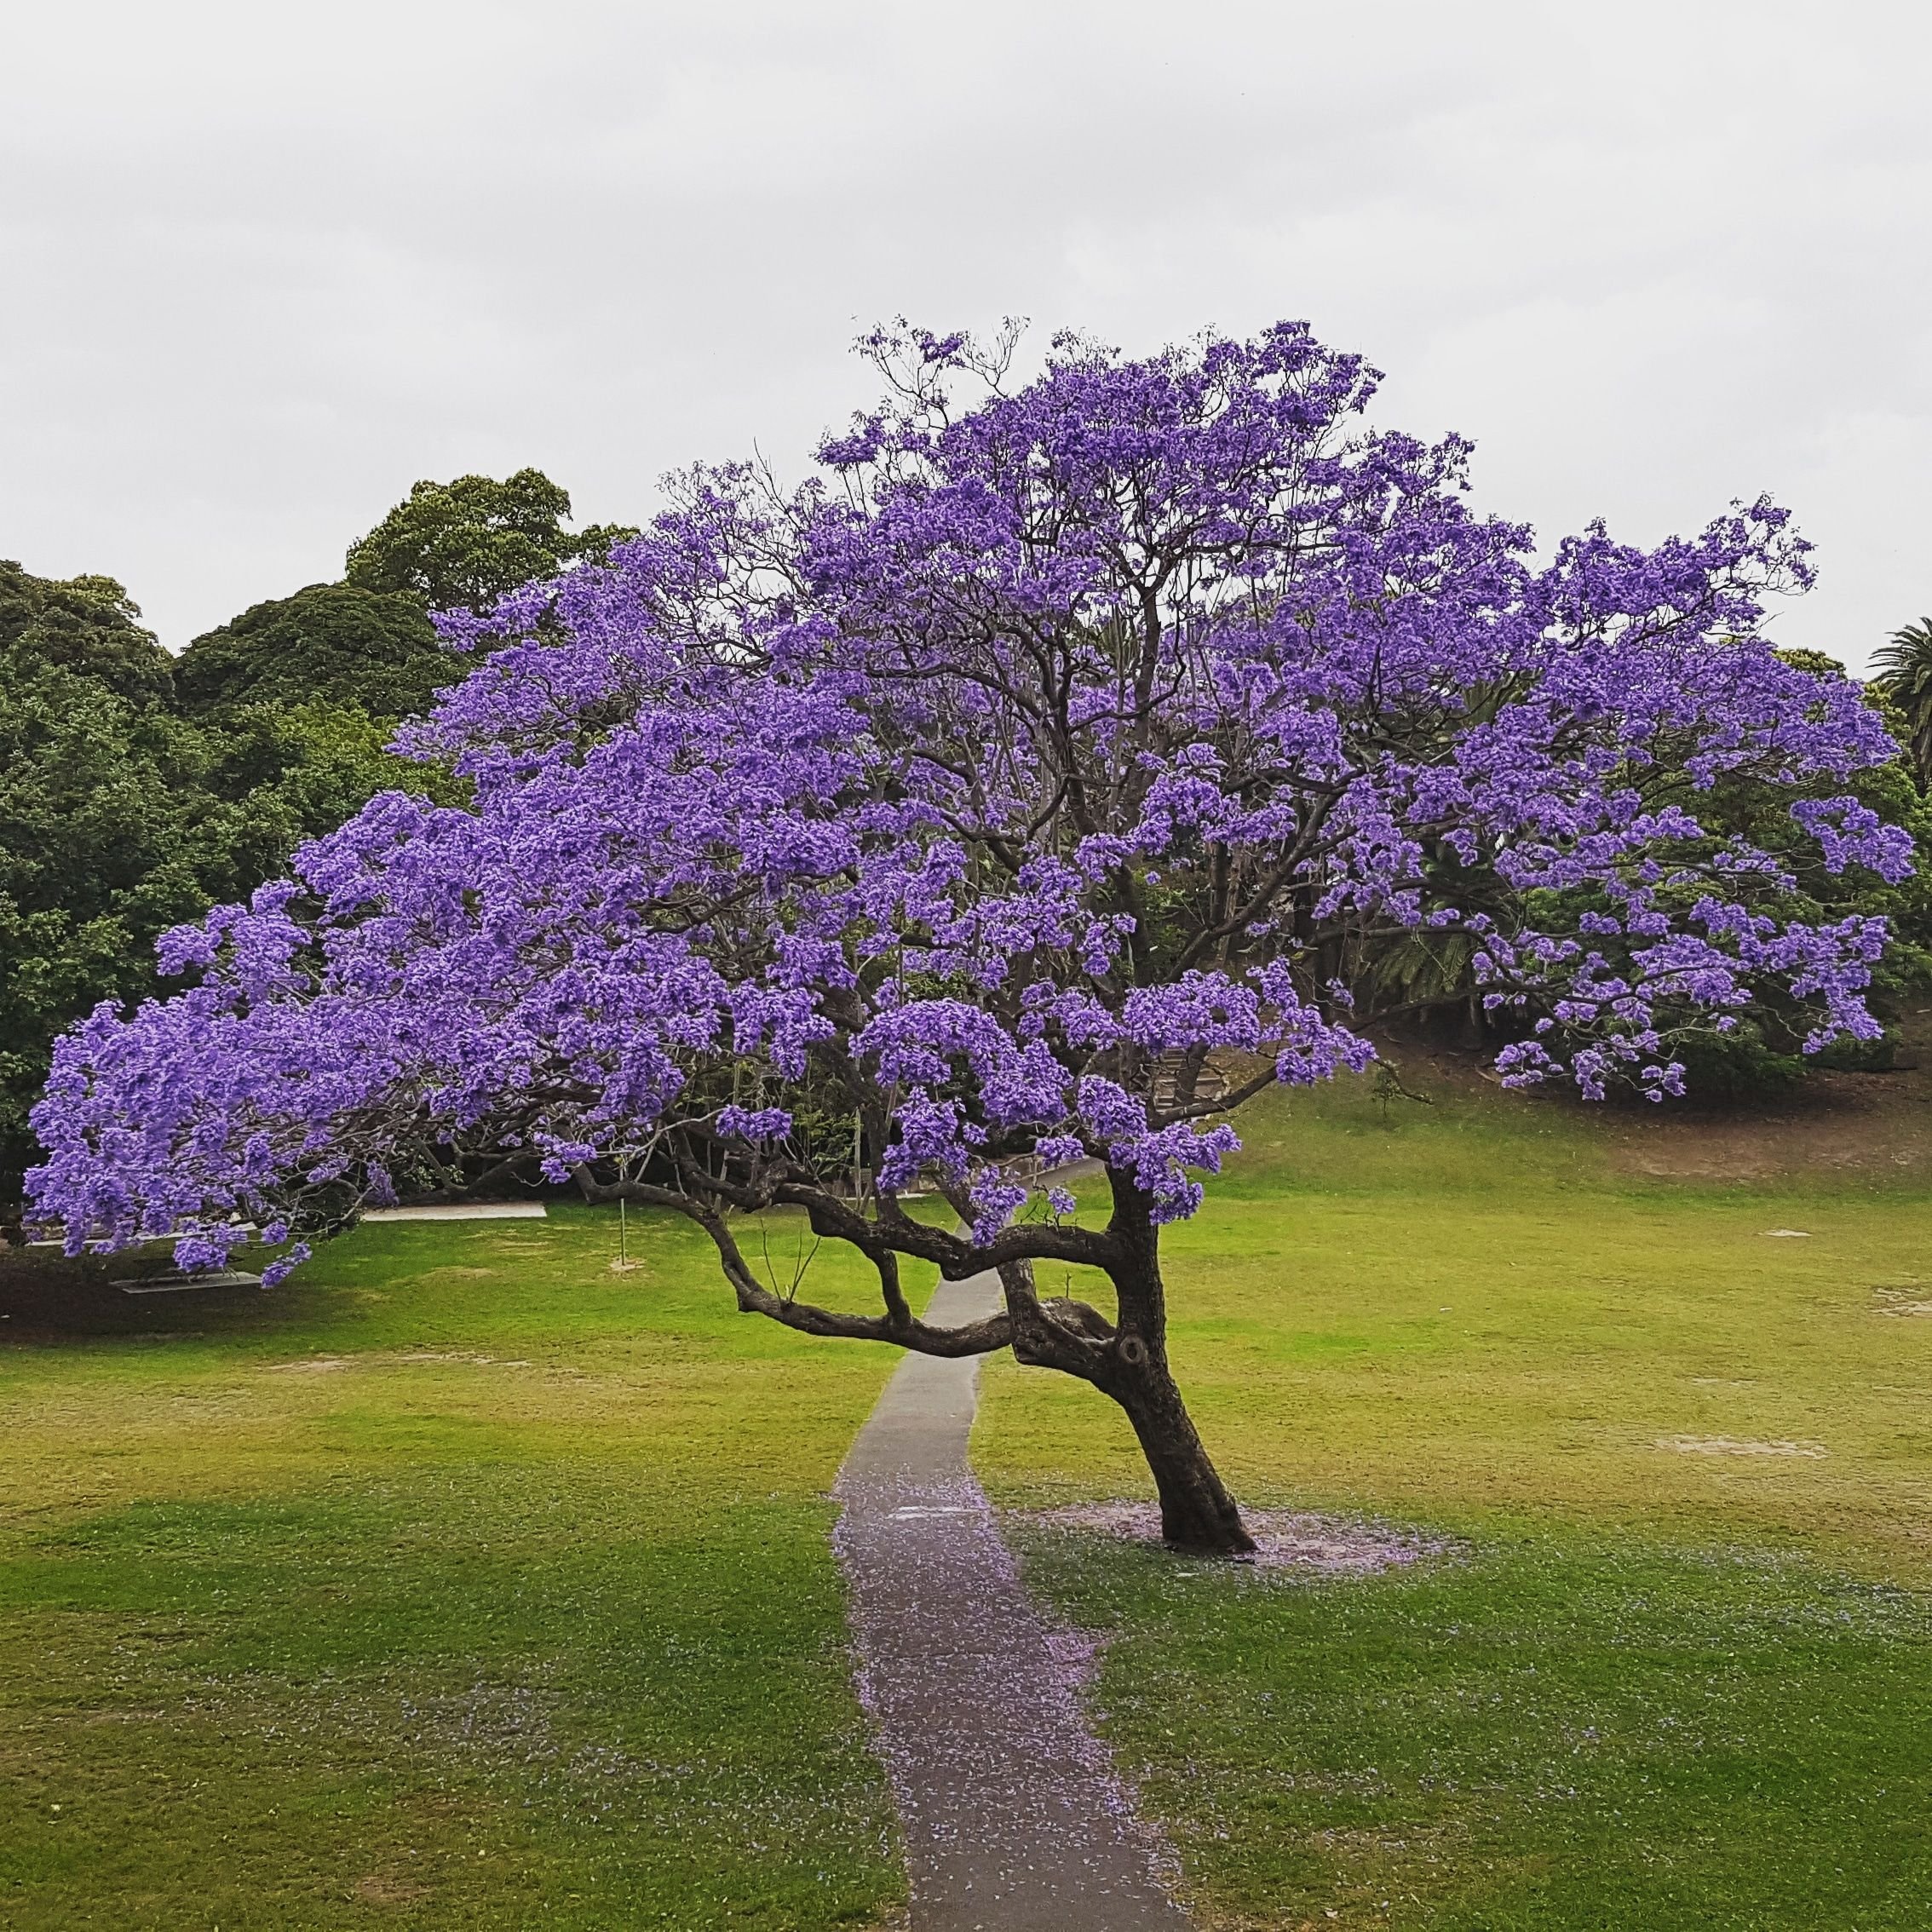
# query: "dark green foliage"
[133,796]
[332,644]
[290,772]
[136,790]
[1902,672]
[463,544]
[85,624]
[105,834]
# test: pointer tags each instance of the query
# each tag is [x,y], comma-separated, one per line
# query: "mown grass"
[1665,1683]
[459,1581]
[463,1582]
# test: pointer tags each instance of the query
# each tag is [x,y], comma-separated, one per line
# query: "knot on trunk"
[1060,1334]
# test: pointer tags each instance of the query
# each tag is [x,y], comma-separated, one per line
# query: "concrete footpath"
[1015,1819]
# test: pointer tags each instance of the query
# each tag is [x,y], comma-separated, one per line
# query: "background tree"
[86,625]
[1903,666]
[979,793]
[463,544]
[105,839]
[137,789]
[374,653]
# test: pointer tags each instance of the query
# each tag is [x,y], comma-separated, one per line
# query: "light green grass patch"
[459,1581]
[1683,1677]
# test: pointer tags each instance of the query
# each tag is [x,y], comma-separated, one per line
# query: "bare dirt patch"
[452,1355]
[384,1888]
[1872,1123]
[1300,1545]
[1901,1298]
[331,1365]
[1732,1446]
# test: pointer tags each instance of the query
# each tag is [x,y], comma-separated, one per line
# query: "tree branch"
[898,1325]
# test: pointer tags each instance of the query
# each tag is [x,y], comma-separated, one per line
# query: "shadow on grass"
[46,1299]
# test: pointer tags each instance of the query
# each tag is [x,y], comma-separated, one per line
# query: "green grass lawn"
[460,1582]
[1667,1682]
[463,1582]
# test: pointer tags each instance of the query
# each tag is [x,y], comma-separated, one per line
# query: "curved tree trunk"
[1196,1511]
[1126,1359]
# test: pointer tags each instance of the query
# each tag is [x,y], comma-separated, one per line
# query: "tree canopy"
[103,823]
[88,625]
[1903,665]
[136,788]
[463,544]
[332,644]
[976,793]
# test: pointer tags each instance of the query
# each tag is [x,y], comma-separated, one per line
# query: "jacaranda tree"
[940,820]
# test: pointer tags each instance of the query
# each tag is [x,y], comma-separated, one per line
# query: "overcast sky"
[266,264]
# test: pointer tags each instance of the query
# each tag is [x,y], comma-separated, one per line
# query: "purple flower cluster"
[1045,744]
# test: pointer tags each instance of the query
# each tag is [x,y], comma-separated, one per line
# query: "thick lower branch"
[455,1188]
[975,1338]
[898,1325]
[1127,1360]
[836,1217]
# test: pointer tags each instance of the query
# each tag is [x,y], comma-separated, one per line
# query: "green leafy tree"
[132,798]
[286,773]
[461,545]
[108,835]
[1903,666]
[373,653]
[85,624]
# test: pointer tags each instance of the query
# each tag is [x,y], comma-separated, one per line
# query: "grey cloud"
[266,266]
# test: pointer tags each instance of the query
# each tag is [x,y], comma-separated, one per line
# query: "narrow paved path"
[1015,1819]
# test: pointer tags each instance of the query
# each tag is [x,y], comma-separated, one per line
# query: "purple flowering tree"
[939,820]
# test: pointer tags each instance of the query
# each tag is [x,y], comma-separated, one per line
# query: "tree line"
[138,787]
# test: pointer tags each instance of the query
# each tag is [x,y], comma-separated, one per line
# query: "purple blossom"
[1046,746]
[759,1126]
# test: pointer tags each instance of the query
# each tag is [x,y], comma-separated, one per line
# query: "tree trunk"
[1196,1511]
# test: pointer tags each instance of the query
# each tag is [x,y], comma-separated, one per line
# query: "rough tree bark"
[1196,1510]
